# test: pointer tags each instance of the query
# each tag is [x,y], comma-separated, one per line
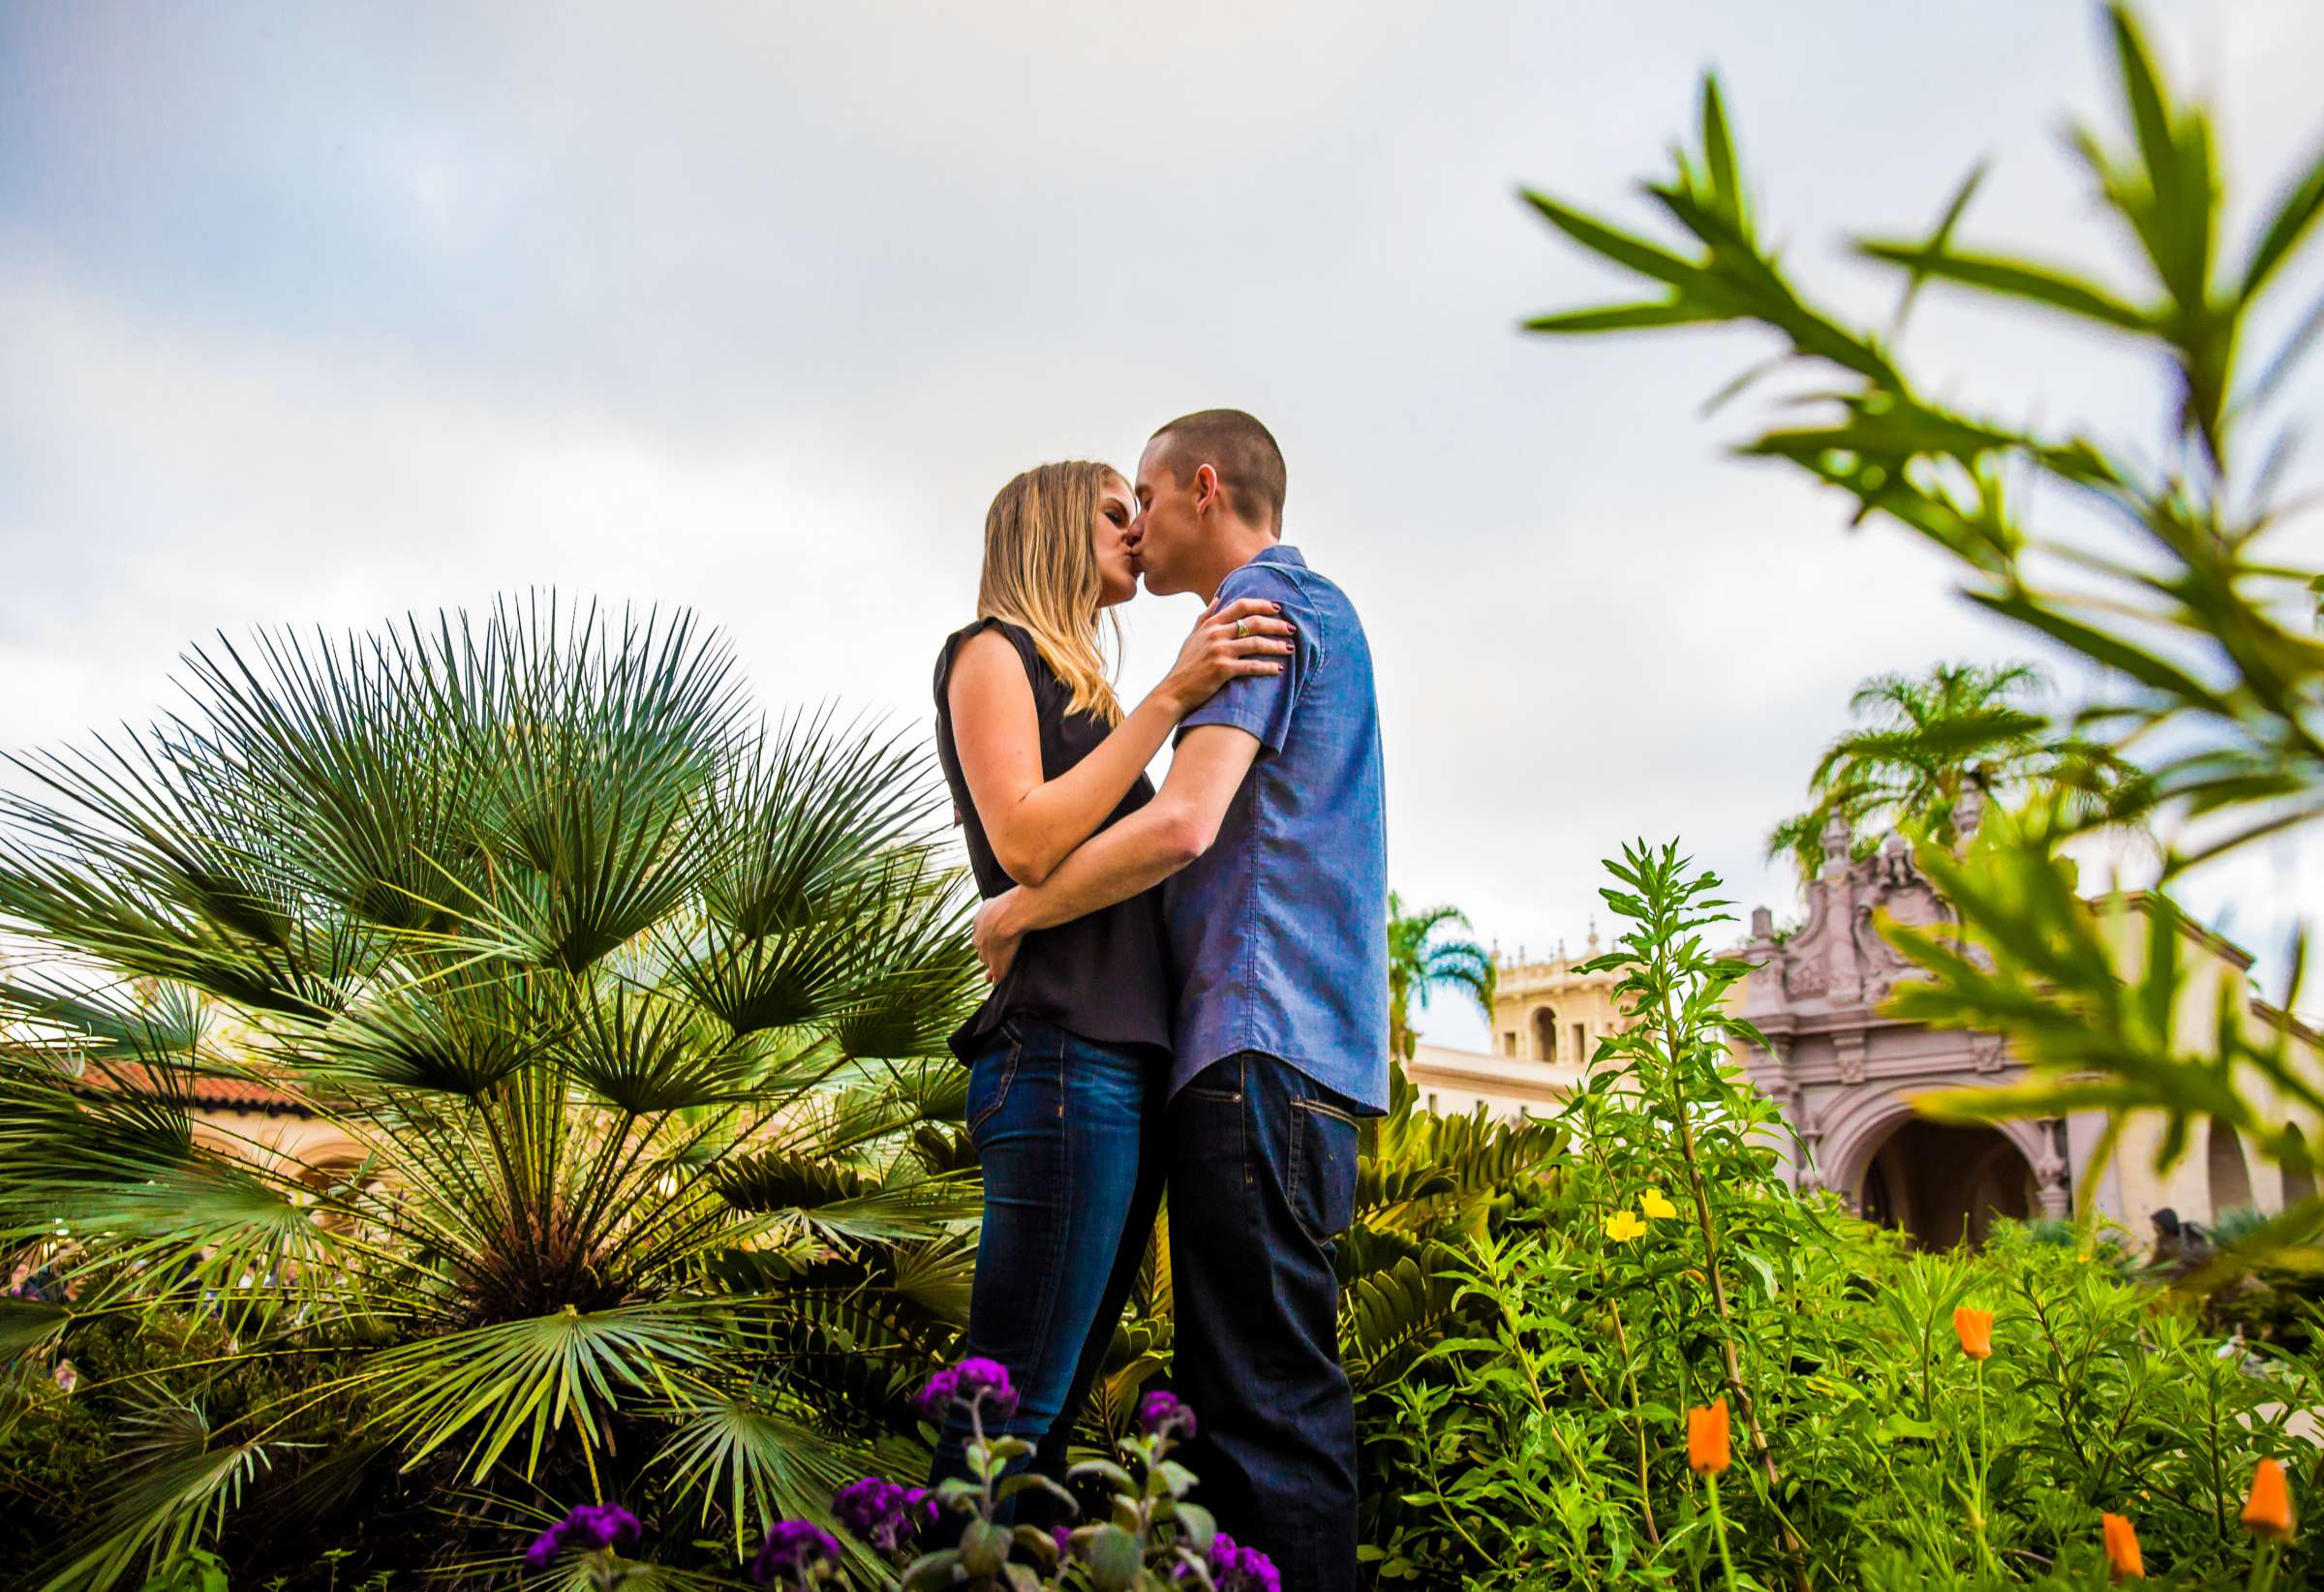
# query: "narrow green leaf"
[2013,279]
[1718,148]
[2285,230]
[1625,318]
[1617,246]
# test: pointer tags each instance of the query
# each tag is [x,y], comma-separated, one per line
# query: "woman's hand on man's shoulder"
[1234,637]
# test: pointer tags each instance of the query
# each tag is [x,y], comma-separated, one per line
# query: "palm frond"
[176,1489]
[535,1377]
[624,1010]
[752,1459]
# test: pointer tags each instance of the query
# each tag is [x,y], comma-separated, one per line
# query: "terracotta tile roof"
[211,1093]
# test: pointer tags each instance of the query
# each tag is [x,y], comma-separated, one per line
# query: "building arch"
[2299,1181]
[217,1142]
[1944,1185]
[1856,1126]
[336,1163]
[335,1151]
[2229,1174]
[1545,1033]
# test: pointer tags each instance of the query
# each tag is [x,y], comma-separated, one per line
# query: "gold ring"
[1243,627]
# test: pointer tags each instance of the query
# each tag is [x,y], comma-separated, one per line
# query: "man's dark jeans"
[1262,1180]
[1070,1135]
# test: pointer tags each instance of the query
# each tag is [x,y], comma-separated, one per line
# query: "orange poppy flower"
[2121,1548]
[2269,1509]
[1706,1439]
[1974,1330]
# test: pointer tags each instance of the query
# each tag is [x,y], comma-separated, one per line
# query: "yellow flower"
[1654,1205]
[1623,1226]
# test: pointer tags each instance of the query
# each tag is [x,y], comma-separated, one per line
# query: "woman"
[1068,1054]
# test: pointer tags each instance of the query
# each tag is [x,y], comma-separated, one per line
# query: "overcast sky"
[316,314]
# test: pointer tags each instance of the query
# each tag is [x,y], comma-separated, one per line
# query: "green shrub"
[1547,1447]
[626,1007]
[2199,636]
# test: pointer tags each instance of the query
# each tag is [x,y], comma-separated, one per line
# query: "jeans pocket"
[1323,1169]
[991,1073]
[1221,1082]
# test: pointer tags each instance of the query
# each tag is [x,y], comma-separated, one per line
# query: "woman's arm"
[1033,823]
[1158,839]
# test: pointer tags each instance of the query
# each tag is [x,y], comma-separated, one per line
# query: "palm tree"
[1418,963]
[1924,742]
[627,1002]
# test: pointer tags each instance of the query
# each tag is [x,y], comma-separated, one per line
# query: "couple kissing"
[1189,985]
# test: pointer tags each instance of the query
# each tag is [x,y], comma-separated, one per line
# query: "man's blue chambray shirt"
[1278,934]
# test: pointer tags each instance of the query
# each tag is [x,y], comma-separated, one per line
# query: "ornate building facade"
[1846,1076]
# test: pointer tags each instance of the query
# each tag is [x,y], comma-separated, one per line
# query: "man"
[1270,829]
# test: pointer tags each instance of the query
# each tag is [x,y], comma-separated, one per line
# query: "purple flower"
[864,1506]
[967,1383]
[1161,1412]
[882,1514]
[1062,1535]
[587,1527]
[613,1525]
[934,1400]
[794,1551]
[1236,1569]
[987,1380]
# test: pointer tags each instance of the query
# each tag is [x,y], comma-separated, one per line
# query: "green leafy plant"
[617,1004]
[2214,665]
[1547,1444]
[1154,1536]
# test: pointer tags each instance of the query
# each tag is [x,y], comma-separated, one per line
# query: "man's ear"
[1206,487]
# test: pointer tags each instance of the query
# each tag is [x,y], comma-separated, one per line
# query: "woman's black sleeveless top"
[1102,976]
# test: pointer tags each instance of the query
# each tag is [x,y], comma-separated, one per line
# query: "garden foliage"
[1675,1271]
[619,1005]
[2208,645]
[648,1208]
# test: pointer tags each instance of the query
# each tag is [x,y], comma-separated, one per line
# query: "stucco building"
[1846,1075]
[1452,1082]
[1548,1018]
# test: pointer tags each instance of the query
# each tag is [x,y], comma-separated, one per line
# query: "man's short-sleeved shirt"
[1278,933]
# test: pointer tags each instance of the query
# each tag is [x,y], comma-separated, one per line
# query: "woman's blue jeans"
[1069,1132]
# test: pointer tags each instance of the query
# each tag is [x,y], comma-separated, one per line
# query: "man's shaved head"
[1240,450]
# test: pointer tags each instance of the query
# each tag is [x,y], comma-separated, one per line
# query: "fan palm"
[1928,739]
[1419,960]
[625,1001]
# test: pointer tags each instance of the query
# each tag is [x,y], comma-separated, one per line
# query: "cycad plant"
[617,1004]
[1425,1186]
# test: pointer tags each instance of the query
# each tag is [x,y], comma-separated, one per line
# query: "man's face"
[1167,531]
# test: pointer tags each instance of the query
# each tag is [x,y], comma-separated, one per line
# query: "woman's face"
[1110,538]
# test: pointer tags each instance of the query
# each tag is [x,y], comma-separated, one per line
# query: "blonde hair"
[1041,575]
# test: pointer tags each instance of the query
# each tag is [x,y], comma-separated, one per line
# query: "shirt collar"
[1281,554]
